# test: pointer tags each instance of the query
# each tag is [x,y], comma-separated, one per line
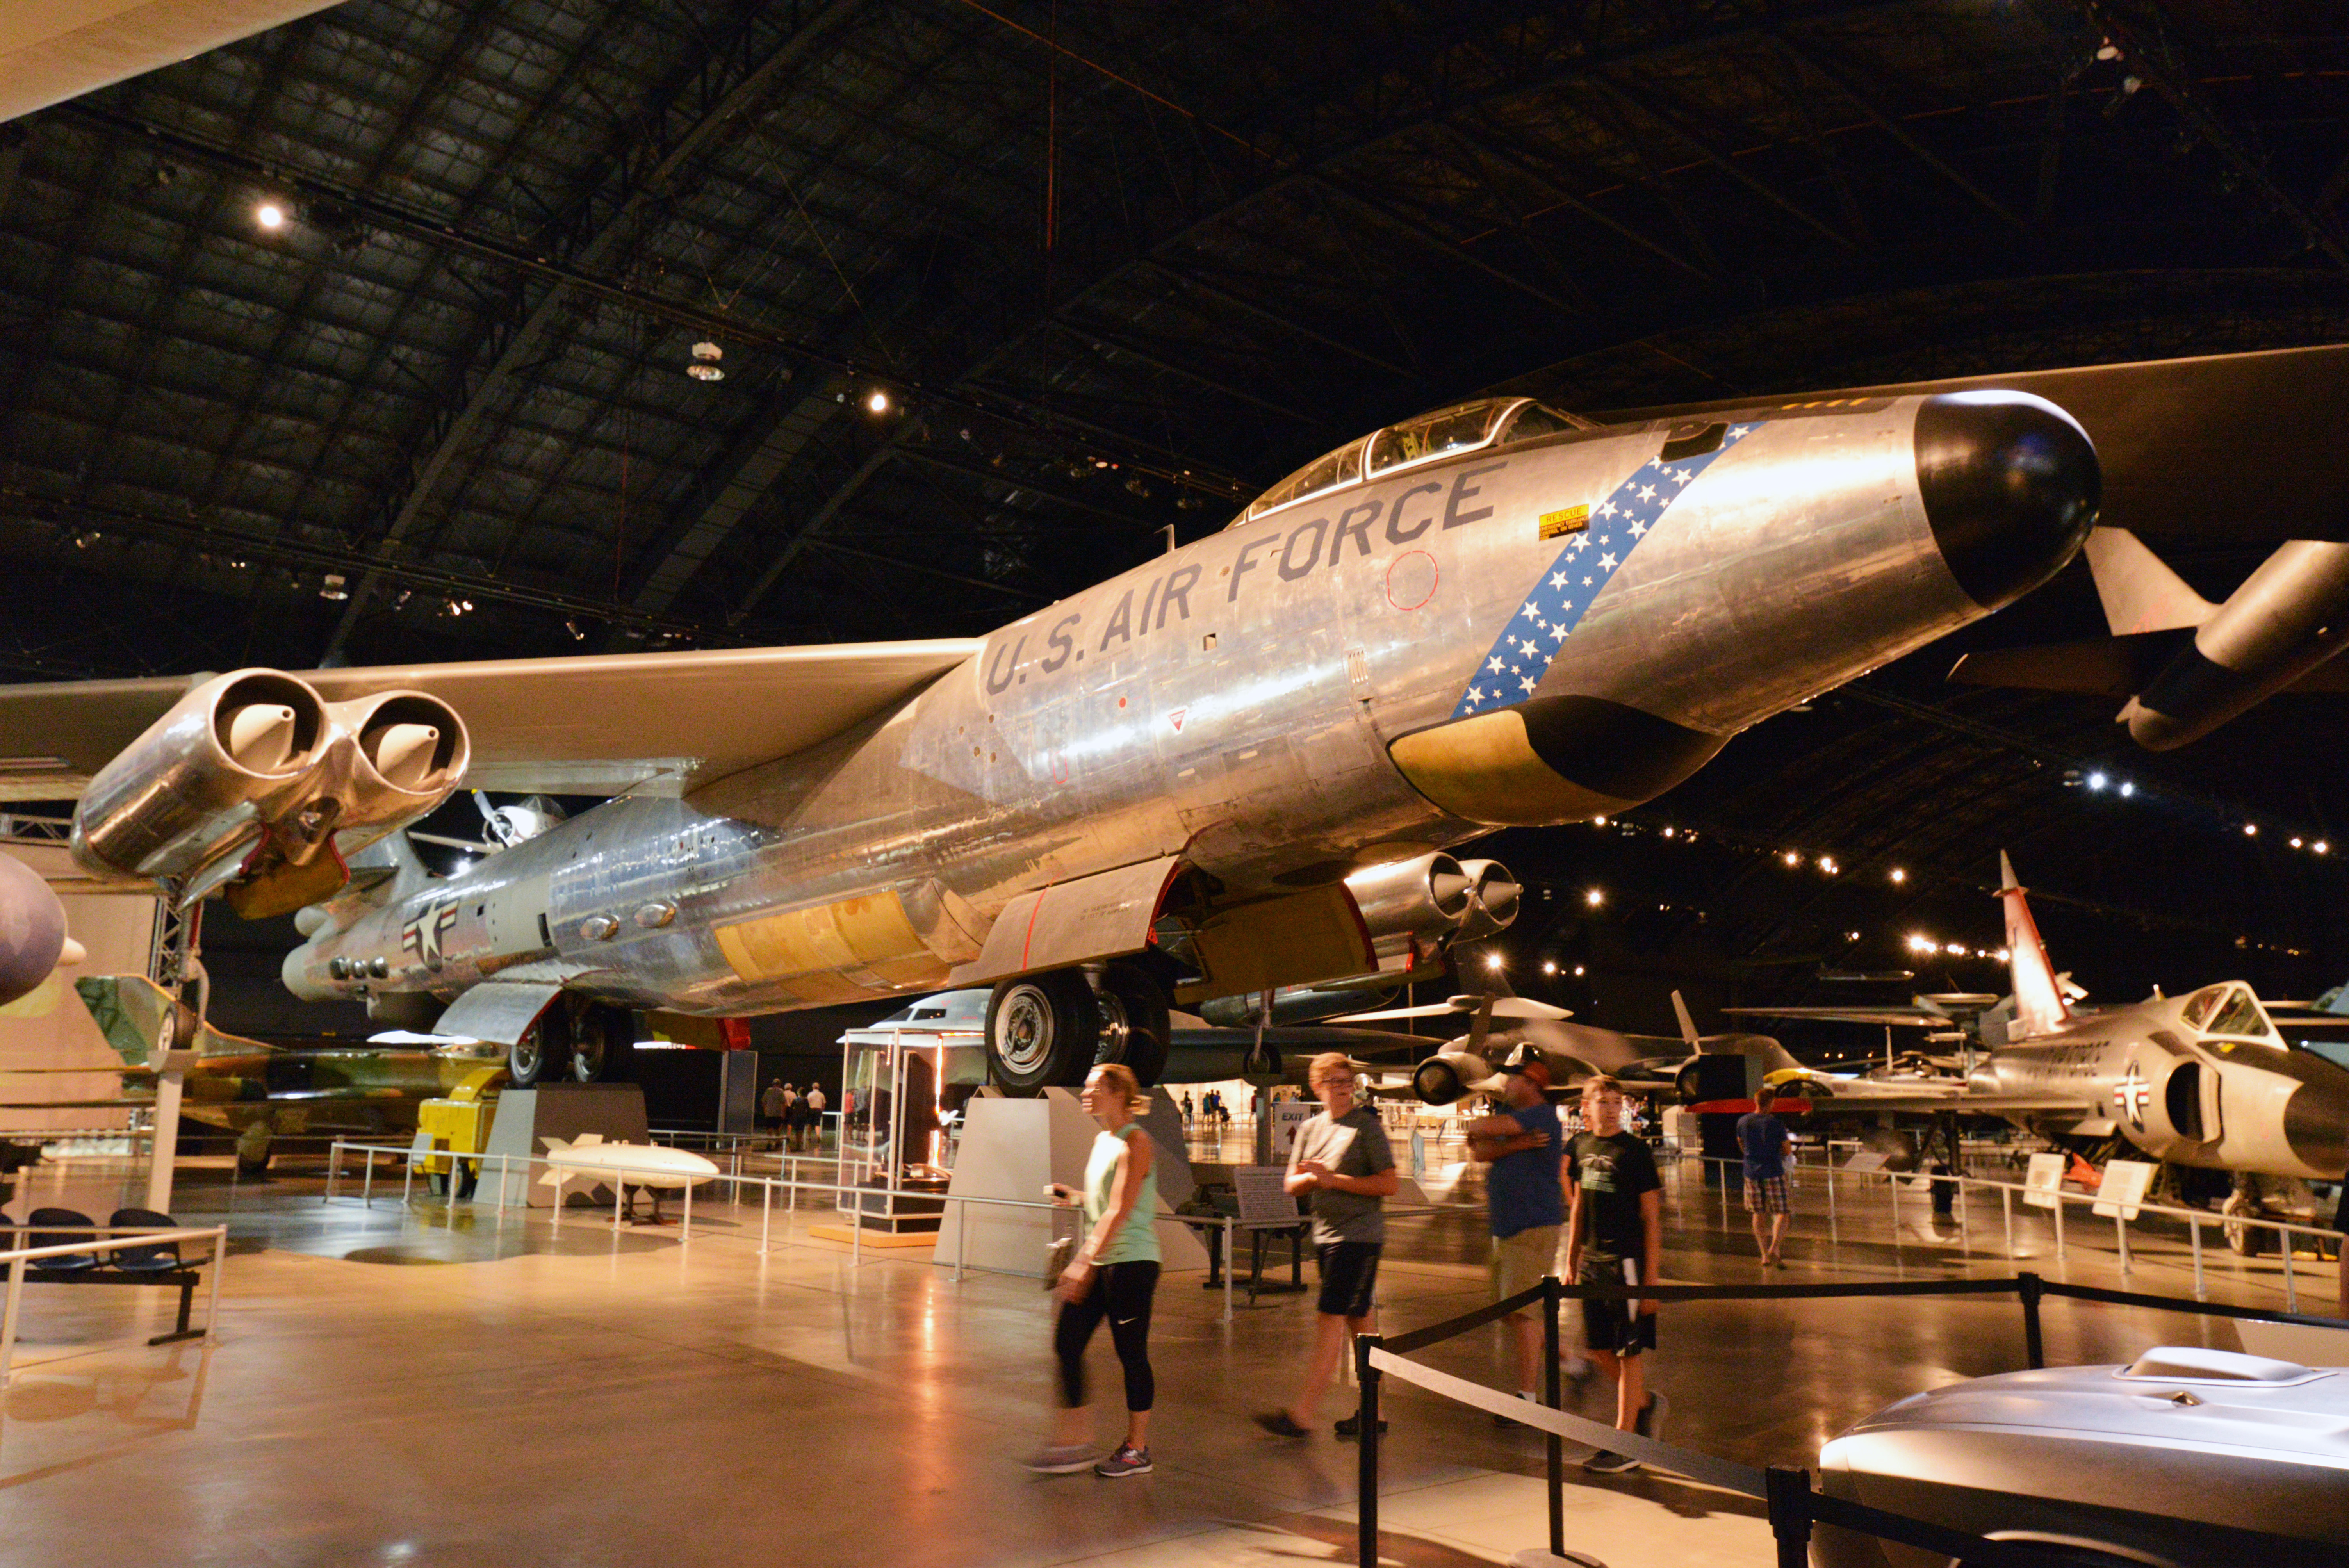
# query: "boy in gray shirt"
[1343,1159]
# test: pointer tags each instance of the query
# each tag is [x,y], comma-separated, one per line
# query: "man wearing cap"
[1523,1144]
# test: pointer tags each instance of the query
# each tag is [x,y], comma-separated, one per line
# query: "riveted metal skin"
[1274,704]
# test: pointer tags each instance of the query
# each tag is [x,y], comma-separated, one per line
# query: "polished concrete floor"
[397,1384]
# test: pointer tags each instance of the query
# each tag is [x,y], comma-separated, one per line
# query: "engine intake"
[1412,907]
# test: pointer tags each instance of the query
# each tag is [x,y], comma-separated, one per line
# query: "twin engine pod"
[1413,907]
[253,771]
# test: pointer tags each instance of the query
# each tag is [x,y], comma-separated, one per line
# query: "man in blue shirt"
[1764,1140]
[1525,1145]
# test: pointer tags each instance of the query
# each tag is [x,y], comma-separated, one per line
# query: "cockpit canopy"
[2228,1009]
[1488,422]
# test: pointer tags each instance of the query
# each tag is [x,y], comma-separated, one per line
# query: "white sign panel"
[2125,1185]
[1288,1117]
[2044,1180]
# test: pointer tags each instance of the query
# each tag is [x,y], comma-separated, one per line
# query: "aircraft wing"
[1956,1104]
[51,53]
[596,724]
[1912,1017]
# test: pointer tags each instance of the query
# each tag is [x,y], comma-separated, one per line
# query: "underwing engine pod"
[252,782]
[1493,896]
[1412,907]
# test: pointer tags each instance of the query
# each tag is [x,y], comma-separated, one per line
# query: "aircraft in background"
[2204,1081]
[2184,664]
[1179,785]
[260,1089]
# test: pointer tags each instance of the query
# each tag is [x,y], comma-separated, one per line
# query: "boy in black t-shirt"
[1615,1229]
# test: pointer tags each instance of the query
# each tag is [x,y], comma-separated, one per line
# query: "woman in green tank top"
[1113,1275]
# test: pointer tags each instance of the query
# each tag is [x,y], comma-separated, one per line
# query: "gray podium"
[527,1117]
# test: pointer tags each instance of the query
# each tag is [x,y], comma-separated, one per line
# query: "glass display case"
[905,1081]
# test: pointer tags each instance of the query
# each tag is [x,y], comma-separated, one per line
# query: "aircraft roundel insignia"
[2133,1095]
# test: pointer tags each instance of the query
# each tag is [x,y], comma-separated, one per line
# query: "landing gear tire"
[603,1044]
[252,1153]
[542,1055]
[1133,1027]
[2243,1240]
[1043,1030]
[469,1178]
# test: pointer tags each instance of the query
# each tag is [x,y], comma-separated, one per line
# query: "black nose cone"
[2010,488]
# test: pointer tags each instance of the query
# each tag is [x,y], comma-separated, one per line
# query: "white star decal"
[1557,579]
[1647,492]
[1476,694]
[1527,682]
[1495,662]
[1680,476]
[1638,531]
[1605,509]
[1608,561]
[1585,582]
[1558,632]
[1739,430]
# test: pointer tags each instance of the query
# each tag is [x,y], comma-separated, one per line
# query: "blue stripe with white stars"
[1521,656]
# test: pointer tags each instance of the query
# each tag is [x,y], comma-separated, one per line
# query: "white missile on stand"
[622,1165]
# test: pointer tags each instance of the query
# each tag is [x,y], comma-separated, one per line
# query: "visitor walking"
[772,1105]
[1615,1236]
[1342,1165]
[1113,1275]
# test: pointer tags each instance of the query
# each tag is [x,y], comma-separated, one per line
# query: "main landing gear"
[1055,1027]
[575,1040]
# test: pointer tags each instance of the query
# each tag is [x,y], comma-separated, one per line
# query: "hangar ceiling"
[1112,268]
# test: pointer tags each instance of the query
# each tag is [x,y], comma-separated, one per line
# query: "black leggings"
[1121,1292]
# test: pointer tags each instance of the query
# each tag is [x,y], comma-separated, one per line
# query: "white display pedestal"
[1014,1149]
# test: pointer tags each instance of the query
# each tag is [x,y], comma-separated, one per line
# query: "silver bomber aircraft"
[2202,1080]
[1225,771]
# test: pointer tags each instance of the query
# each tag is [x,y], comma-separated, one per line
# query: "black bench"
[149,1264]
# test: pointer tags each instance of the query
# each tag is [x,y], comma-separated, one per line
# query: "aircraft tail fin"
[1687,1024]
[2038,1005]
[2140,593]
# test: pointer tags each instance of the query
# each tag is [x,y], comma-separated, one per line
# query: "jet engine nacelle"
[257,761]
[1494,895]
[1413,907]
[1447,1075]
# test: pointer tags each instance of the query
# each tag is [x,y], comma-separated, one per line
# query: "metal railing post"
[1834,1226]
[8,1317]
[211,1290]
[766,1215]
[962,1239]
[2006,1216]
[1366,1502]
[1895,1184]
[366,1187]
[2290,1285]
[2194,1233]
[1788,1492]
[1554,1395]
[686,1233]
[2120,1231]
[334,1168]
[2058,1212]
[2034,1348]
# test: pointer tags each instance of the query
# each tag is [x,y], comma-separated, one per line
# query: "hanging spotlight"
[1492,961]
[1549,965]
[1578,970]
[1594,897]
[1827,864]
[269,216]
[876,401]
[2321,847]
[577,634]
[2127,788]
[1668,830]
[1898,876]
[704,368]
[333,587]
[1792,858]
[2295,843]
[2097,780]
[2251,829]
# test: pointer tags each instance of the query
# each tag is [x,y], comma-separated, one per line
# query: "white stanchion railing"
[2053,1200]
[104,1238]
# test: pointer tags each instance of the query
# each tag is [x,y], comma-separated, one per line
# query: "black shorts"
[1350,1270]
[1615,1326]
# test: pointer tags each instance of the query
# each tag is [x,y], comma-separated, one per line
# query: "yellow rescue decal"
[1558,524]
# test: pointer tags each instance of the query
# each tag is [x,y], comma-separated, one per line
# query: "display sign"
[2044,1181]
[1263,1200]
[2124,1188]
[1865,1159]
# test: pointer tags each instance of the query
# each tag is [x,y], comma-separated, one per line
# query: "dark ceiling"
[1115,266]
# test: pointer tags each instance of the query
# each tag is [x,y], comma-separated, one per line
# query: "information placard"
[2125,1186]
[2044,1180]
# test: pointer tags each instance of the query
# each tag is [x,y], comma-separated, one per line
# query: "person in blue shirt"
[1525,1144]
[1764,1140]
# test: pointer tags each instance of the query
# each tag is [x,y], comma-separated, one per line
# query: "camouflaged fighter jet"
[2203,1080]
[1230,769]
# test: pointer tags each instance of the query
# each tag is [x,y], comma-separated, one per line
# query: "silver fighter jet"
[1223,772]
[2202,1080]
